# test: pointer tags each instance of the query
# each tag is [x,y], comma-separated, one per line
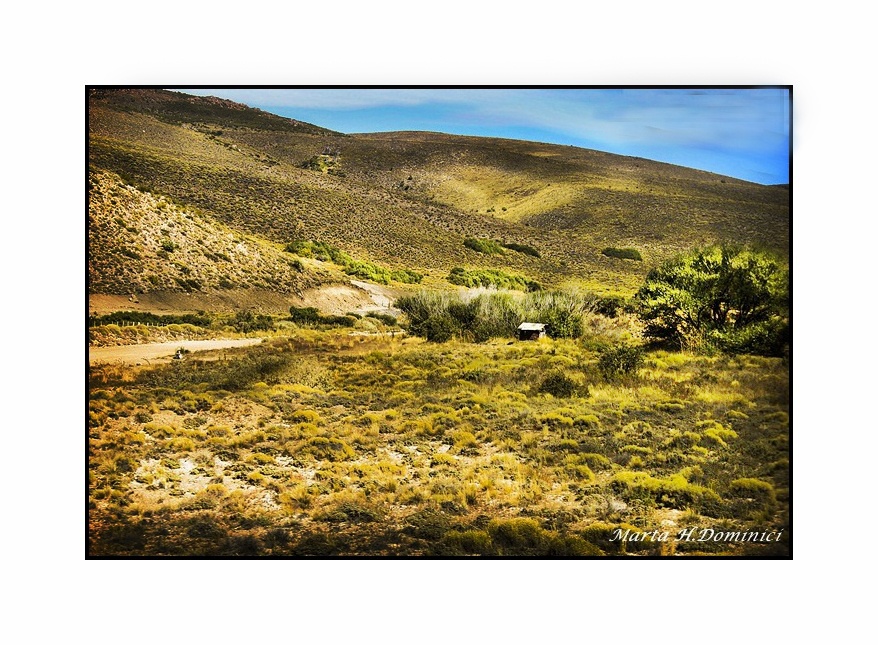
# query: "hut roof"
[529,326]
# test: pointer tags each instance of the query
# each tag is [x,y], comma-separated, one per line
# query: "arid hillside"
[214,180]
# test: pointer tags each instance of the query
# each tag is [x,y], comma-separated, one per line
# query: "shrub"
[339,321]
[317,544]
[366,270]
[609,306]
[406,276]
[246,321]
[674,491]
[387,319]
[145,318]
[562,311]
[311,315]
[517,534]
[440,329]
[753,488]
[473,278]
[623,254]
[621,360]
[522,248]
[483,246]
[328,449]
[576,468]
[304,315]
[351,511]
[467,542]
[560,385]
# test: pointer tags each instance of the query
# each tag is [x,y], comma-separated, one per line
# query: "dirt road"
[160,352]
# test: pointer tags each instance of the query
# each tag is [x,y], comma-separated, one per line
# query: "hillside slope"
[404,200]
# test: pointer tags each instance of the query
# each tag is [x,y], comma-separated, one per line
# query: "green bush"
[406,276]
[560,385]
[766,338]
[339,321]
[757,489]
[467,542]
[329,449]
[674,491]
[622,254]
[621,360]
[145,318]
[473,278]
[387,319]
[517,534]
[312,316]
[521,248]
[609,306]
[246,321]
[440,328]
[483,246]
[358,268]
[304,315]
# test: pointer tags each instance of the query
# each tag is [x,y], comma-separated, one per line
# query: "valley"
[354,383]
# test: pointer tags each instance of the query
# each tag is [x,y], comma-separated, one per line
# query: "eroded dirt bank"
[335,299]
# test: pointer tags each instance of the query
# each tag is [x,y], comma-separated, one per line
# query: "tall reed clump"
[441,316]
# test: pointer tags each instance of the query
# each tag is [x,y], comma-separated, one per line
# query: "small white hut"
[531,331]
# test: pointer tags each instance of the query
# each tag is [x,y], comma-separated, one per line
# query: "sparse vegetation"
[521,449]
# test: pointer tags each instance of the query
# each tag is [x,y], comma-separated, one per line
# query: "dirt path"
[160,352]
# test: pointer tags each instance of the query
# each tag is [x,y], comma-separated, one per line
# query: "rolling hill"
[200,196]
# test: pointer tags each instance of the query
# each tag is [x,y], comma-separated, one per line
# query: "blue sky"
[742,133]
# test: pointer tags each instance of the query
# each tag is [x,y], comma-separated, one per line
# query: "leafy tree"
[729,298]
